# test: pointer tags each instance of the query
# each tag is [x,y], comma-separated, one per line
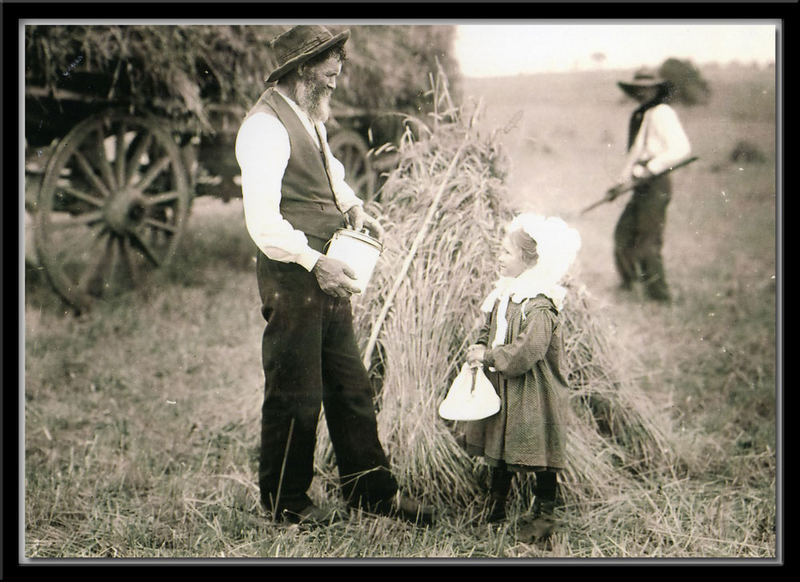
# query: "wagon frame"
[126,125]
[109,187]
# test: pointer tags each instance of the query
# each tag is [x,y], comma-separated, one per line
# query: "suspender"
[327,167]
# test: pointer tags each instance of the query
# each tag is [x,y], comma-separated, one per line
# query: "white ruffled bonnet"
[557,245]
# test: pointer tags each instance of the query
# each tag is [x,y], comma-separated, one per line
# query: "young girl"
[521,348]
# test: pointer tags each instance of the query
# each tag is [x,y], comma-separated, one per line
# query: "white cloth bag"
[471,396]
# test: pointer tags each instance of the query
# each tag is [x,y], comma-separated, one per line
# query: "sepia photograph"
[330,291]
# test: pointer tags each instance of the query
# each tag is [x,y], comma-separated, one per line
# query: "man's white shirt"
[263,150]
[660,143]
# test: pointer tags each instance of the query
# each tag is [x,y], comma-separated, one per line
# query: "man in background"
[656,141]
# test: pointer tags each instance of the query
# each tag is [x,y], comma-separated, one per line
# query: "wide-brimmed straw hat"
[644,77]
[301,43]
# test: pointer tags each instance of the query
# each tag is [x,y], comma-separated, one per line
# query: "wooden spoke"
[125,260]
[145,248]
[160,225]
[82,220]
[98,273]
[164,198]
[152,173]
[74,244]
[88,171]
[141,148]
[80,195]
[119,154]
[105,166]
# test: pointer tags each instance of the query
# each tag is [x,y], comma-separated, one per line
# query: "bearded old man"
[295,197]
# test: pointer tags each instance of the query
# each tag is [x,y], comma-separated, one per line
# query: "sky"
[510,49]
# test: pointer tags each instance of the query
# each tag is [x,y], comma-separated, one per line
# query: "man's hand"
[641,172]
[334,277]
[357,219]
[375,229]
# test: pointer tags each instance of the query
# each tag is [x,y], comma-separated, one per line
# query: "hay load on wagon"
[198,75]
[125,125]
[617,437]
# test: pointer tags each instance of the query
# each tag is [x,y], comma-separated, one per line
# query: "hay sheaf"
[618,433]
[615,433]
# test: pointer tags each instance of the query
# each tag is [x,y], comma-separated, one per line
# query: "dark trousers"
[639,237]
[311,358]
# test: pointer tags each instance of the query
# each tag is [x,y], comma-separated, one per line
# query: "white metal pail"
[359,250]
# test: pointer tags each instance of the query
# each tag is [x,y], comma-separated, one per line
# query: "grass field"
[141,418]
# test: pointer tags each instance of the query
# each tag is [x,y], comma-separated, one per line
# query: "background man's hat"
[644,77]
[299,44]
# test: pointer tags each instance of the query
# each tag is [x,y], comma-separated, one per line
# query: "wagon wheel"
[349,148]
[112,206]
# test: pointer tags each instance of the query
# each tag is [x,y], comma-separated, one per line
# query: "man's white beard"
[316,103]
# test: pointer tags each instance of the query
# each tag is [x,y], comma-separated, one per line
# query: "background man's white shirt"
[660,143]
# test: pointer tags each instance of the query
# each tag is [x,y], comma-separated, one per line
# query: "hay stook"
[434,315]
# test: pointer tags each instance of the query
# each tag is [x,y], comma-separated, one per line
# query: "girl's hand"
[475,354]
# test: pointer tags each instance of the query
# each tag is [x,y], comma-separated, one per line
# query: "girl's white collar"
[526,285]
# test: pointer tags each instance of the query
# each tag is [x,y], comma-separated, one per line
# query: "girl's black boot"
[497,508]
[543,519]
[499,486]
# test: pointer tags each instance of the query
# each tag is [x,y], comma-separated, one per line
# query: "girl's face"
[511,260]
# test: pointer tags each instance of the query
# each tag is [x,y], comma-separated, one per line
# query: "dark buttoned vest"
[307,200]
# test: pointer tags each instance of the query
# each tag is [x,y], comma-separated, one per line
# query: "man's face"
[645,94]
[317,86]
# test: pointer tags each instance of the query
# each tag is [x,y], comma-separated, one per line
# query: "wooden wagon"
[115,153]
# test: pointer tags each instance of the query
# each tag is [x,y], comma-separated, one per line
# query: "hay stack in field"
[435,310]
[429,313]
[617,432]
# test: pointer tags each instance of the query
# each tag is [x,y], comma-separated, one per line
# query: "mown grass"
[141,417]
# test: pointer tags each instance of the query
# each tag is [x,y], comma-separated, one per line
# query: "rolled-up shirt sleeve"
[666,140]
[660,143]
[262,151]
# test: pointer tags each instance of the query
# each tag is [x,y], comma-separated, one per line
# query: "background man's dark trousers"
[639,237]
[311,357]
